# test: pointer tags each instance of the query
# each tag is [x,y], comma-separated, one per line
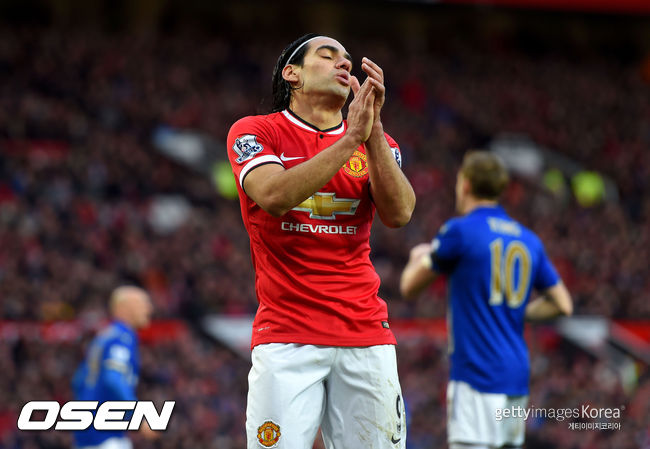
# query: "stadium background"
[113,118]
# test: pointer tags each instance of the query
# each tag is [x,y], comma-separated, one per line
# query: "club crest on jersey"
[246,147]
[357,165]
[268,434]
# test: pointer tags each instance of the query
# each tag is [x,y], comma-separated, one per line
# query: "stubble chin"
[341,91]
[344,92]
[334,93]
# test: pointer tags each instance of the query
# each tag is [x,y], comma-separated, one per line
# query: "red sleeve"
[251,142]
[394,147]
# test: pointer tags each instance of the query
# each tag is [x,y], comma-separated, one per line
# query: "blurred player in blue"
[110,369]
[492,263]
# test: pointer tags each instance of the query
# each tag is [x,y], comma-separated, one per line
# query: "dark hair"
[486,173]
[281,87]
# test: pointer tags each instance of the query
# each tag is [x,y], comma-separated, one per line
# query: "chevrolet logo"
[325,206]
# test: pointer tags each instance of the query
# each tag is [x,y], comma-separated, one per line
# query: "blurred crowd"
[209,386]
[78,173]
[79,178]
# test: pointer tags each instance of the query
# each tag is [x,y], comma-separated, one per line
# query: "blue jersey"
[493,264]
[108,373]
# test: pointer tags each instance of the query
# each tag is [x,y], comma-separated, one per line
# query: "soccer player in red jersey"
[309,183]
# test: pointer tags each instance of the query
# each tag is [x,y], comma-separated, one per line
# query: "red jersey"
[314,280]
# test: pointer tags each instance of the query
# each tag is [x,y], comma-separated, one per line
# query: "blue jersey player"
[110,370]
[493,263]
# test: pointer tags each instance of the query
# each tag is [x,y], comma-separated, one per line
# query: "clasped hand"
[369,97]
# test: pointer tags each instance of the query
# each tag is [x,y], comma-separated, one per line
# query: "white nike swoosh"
[285,158]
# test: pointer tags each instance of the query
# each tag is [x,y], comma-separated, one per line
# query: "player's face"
[142,311]
[326,68]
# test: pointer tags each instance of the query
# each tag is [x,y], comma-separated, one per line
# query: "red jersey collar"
[293,118]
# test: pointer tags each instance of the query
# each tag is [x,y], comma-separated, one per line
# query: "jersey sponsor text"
[318,229]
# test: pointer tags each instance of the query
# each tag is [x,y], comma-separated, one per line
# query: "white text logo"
[318,229]
[78,415]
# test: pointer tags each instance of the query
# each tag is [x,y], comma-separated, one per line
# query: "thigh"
[514,428]
[472,416]
[286,395]
[365,408]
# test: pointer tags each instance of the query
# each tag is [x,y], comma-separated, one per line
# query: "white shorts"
[472,417]
[112,443]
[352,394]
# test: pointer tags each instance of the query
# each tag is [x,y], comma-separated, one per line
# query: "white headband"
[299,47]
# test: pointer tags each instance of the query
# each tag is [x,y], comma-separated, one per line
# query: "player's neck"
[321,114]
[125,320]
[473,204]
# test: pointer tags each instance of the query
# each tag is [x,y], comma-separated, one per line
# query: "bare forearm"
[415,278]
[541,309]
[555,301]
[391,191]
[418,273]
[278,190]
